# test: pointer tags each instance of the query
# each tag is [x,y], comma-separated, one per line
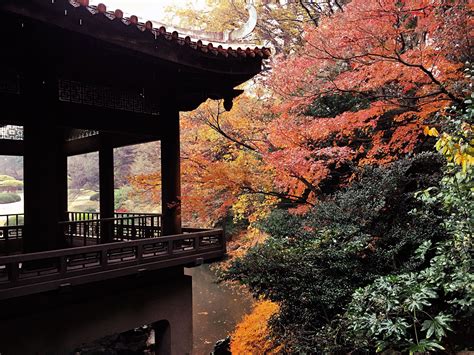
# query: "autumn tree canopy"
[358,89]
[388,65]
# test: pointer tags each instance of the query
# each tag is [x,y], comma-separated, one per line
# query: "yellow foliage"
[431,131]
[251,335]
[458,149]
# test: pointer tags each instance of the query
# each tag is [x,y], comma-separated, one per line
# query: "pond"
[217,308]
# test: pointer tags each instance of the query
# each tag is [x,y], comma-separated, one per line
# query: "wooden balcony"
[136,246]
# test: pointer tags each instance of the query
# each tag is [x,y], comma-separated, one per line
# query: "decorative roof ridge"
[198,44]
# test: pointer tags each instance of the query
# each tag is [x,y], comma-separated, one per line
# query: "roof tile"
[101,9]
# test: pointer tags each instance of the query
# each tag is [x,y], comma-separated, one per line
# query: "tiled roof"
[101,10]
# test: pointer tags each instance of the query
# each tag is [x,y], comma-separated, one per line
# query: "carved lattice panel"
[11,132]
[80,133]
[101,96]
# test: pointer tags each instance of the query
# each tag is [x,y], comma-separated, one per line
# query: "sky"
[148,9]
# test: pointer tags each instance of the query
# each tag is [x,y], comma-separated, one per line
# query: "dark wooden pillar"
[106,186]
[44,163]
[62,188]
[170,174]
[45,187]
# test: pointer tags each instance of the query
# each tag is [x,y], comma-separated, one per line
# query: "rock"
[222,347]
[235,247]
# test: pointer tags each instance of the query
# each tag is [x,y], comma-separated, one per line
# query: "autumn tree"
[223,172]
[362,88]
[358,90]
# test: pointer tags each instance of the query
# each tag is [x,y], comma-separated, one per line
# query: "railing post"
[62,265]
[134,231]
[7,237]
[196,243]
[13,271]
[170,247]
[139,252]
[103,258]
[86,228]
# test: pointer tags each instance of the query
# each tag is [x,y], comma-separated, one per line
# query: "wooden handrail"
[124,226]
[42,271]
[94,248]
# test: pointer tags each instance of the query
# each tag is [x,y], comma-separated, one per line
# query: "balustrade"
[47,270]
[137,245]
[87,227]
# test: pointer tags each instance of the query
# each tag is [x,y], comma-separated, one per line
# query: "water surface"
[217,308]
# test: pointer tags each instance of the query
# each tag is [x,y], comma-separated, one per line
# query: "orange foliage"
[221,161]
[402,58]
[412,44]
[221,164]
[252,334]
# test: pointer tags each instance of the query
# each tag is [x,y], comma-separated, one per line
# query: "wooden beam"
[11,147]
[81,116]
[82,146]
[92,143]
[106,120]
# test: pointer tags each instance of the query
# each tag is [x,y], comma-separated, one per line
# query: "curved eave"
[129,34]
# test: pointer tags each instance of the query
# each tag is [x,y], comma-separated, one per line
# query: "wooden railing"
[86,227]
[130,226]
[80,216]
[11,232]
[37,272]
[11,219]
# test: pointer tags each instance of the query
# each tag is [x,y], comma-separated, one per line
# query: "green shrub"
[12,183]
[6,177]
[430,310]
[6,197]
[121,196]
[312,264]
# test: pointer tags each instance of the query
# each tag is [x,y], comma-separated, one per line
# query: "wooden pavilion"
[75,79]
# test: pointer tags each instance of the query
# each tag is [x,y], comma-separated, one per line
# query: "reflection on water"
[217,308]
